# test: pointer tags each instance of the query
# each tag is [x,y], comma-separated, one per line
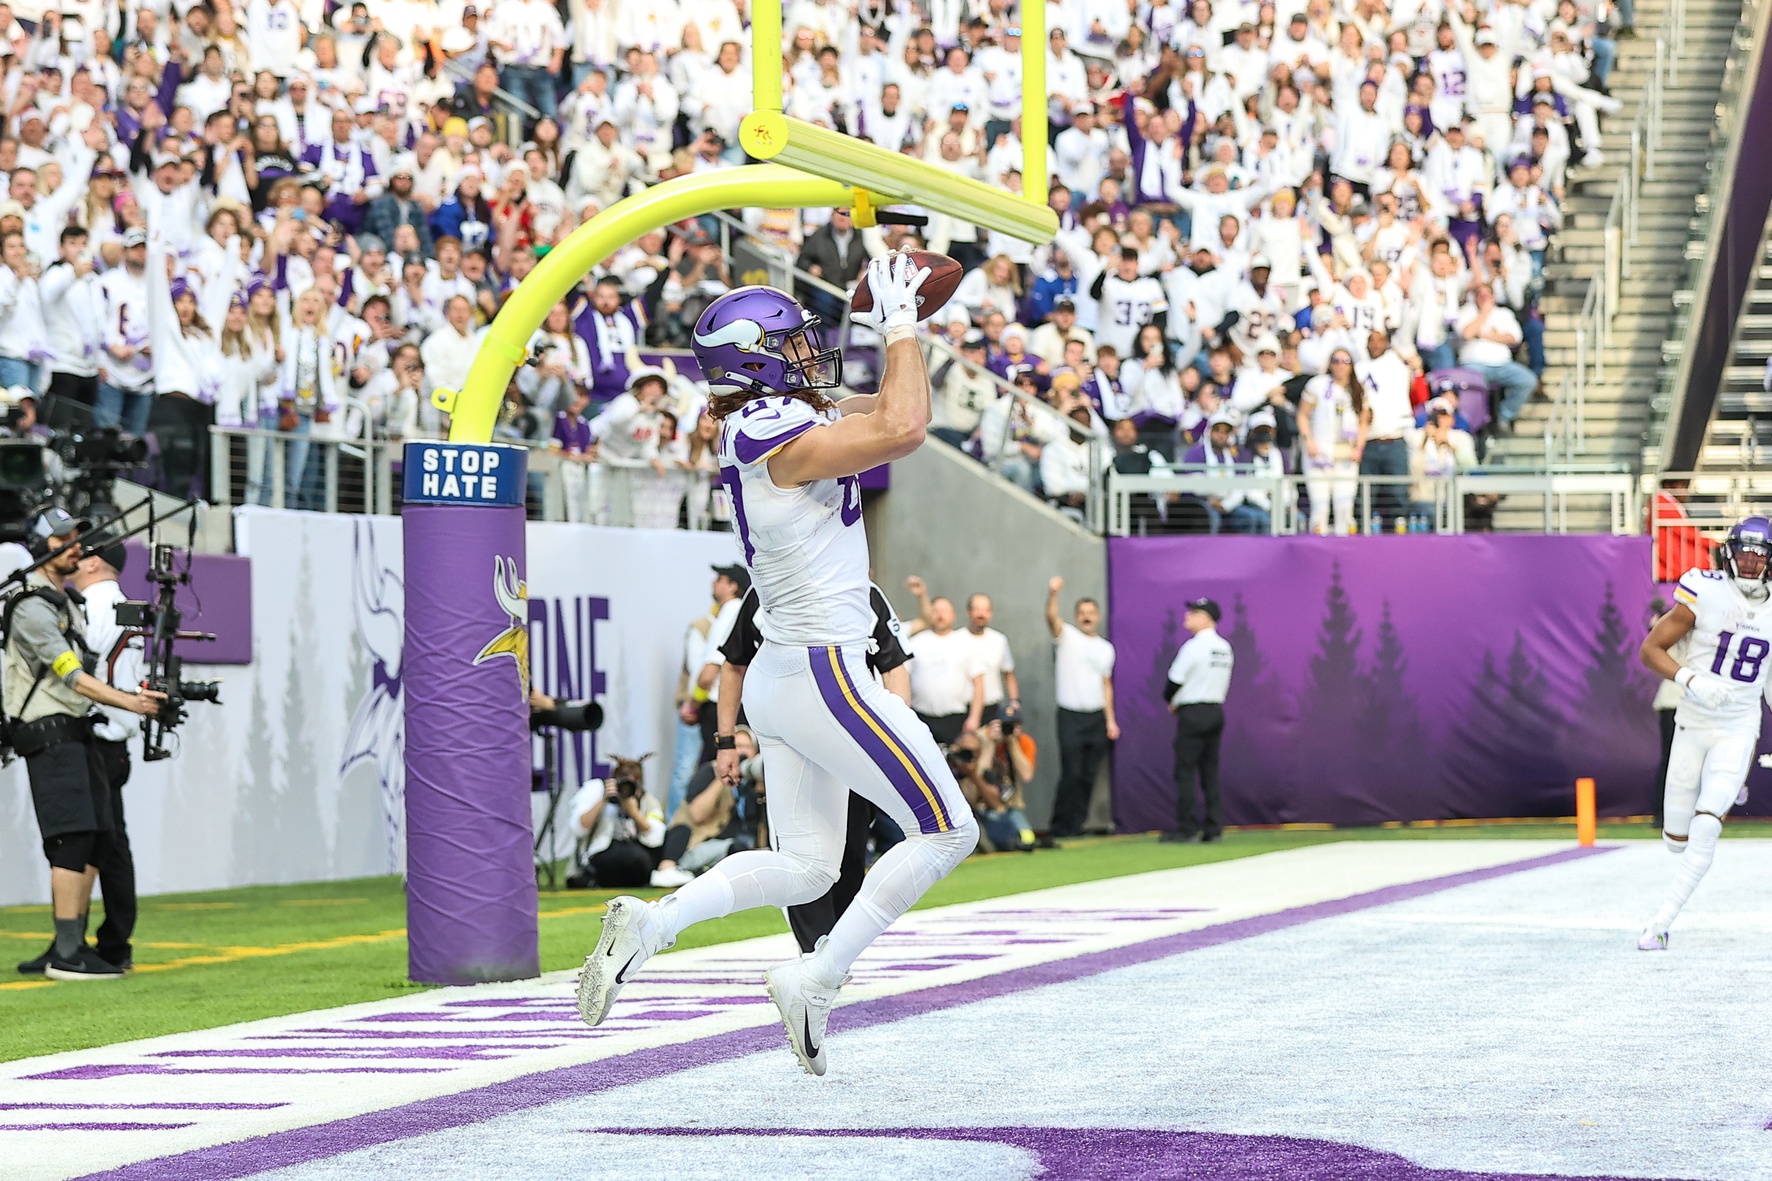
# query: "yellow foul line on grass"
[228,955]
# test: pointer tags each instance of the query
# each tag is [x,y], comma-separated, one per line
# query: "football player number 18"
[1749,655]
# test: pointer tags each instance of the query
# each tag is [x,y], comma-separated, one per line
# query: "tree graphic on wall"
[300,838]
[1612,727]
[1337,694]
[1258,749]
[1162,656]
[1391,717]
[1509,757]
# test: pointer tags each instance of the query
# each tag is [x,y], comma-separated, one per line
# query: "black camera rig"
[156,624]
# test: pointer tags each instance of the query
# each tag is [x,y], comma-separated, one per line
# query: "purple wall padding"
[218,600]
[1393,678]
[470,878]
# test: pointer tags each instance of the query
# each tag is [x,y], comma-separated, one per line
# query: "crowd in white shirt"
[301,216]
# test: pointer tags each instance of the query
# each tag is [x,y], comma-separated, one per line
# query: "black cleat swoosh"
[806,1034]
[621,977]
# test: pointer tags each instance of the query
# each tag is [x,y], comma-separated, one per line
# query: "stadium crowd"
[1275,216]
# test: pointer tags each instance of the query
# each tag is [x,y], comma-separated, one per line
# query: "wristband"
[900,332]
[725,742]
[1683,678]
[699,695]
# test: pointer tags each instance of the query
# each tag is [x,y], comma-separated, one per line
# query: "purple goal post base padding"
[470,877]
[1394,678]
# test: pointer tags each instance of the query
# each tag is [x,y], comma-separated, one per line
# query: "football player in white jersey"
[789,457]
[1722,619]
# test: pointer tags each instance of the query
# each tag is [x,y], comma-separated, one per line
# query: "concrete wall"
[965,531]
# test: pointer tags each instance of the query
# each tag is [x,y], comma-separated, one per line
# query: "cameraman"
[623,824]
[47,686]
[991,765]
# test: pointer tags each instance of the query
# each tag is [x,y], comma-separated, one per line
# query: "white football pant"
[1705,769]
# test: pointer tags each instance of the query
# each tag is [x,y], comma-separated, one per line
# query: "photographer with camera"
[48,686]
[715,818]
[623,825]
[992,764]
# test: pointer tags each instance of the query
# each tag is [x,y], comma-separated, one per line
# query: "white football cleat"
[805,1010]
[670,879]
[627,942]
[1652,940]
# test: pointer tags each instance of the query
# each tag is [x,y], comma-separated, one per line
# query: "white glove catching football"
[1708,691]
[893,279]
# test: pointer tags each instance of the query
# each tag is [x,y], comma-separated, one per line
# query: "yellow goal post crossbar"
[806,167]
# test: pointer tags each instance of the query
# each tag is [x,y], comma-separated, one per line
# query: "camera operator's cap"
[134,238]
[737,575]
[1209,606]
[58,522]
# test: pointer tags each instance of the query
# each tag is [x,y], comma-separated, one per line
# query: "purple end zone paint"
[246,1158]
[470,878]
[1148,1154]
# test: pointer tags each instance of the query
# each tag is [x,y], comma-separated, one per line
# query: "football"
[944,278]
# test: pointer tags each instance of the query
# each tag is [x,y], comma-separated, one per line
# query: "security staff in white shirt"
[1198,680]
[1083,684]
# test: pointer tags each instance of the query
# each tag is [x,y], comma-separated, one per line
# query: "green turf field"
[211,959]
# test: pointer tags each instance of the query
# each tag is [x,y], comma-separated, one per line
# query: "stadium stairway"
[1740,433]
[1618,408]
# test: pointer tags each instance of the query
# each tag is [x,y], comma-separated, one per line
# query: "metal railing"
[513,127]
[1377,505]
[1693,511]
[331,473]
[1619,237]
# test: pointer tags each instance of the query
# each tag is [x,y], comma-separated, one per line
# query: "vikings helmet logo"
[513,596]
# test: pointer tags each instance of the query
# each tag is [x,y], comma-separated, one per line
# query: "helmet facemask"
[1750,562]
[810,366]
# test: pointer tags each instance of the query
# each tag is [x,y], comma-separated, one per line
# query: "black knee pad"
[72,851]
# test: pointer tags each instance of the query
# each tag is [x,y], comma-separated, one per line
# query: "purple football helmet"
[762,340]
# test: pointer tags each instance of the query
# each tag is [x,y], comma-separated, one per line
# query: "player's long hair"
[720,405]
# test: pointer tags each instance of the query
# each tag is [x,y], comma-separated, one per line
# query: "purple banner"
[218,600]
[470,877]
[1383,678]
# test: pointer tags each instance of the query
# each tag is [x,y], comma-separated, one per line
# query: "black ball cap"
[1209,606]
[737,575]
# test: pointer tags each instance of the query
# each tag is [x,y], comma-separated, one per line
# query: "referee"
[1199,678]
[887,660]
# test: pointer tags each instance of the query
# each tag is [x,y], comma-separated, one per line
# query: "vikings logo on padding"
[513,596]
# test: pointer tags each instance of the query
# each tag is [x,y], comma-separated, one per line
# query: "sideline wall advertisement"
[298,776]
[1383,678]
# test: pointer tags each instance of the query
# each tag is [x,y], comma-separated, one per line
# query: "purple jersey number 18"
[1749,655]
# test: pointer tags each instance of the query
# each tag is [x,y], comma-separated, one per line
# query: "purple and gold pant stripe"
[871,732]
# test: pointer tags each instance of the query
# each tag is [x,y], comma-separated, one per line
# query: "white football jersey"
[1732,640]
[806,547]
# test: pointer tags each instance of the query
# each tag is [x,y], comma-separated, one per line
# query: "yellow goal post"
[805,166]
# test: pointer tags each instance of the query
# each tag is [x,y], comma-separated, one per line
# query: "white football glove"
[1708,691]
[894,280]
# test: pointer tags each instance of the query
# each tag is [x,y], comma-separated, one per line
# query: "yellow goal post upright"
[805,166]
